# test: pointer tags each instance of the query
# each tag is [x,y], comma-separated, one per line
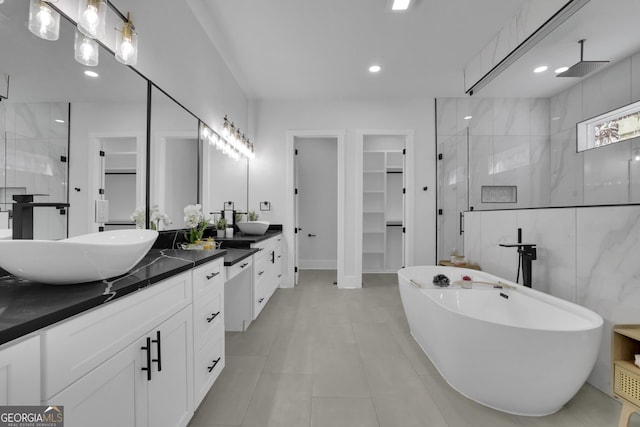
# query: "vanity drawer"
[260,267]
[235,269]
[208,312]
[208,363]
[267,245]
[262,292]
[208,276]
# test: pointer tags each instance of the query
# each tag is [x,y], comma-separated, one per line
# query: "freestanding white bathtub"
[515,350]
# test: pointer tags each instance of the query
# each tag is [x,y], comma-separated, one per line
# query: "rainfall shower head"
[583,67]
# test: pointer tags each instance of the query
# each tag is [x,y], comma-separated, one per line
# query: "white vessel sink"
[255,228]
[80,259]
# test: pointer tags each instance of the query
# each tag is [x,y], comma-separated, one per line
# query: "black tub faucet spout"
[526,254]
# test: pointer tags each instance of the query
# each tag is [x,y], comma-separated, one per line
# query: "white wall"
[268,180]
[317,202]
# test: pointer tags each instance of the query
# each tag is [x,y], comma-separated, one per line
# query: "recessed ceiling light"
[540,69]
[398,5]
[90,73]
[561,70]
[555,118]
[374,69]
[59,121]
[468,117]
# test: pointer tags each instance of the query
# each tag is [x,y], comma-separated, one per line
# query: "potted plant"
[252,216]
[195,220]
[221,225]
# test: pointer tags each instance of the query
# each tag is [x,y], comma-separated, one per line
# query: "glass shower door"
[453,192]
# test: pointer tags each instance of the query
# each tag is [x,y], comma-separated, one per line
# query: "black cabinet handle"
[244,265]
[461,223]
[261,273]
[159,359]
[260,300]
[215,362]
[273,257]
[213,316]
[311,235]
[279,275]
[279,256]
[147,368]
[212,275]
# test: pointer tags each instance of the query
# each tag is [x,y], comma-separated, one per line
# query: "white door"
[317,203]
[296,211]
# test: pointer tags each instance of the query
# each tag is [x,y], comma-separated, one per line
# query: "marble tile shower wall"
[505,142]
[30,160]
[586,255]
[599,176]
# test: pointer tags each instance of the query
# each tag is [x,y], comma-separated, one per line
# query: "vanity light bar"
[44,22]
[232,142]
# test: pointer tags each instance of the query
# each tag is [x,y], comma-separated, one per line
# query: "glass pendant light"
[44,22]
[85,50]
[226,130]
[92,18]
[126,43]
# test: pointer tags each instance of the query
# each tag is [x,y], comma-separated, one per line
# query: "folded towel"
[638,360]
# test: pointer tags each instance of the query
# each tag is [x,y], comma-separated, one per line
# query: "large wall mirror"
[34,122]
[175,147]
[224,180]
[513,144]
[76,139]
[56,116]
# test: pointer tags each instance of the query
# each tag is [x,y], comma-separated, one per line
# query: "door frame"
[339,136]
[96,173]
[409,202]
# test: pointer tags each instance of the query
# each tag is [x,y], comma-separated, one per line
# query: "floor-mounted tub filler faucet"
[526,253]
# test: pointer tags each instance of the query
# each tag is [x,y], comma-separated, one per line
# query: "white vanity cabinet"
[208,326]
[20,372]
[267,271]
[127,363]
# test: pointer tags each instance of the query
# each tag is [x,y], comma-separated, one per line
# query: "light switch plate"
[102,211]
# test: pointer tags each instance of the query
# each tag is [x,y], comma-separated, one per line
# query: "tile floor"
[323,357]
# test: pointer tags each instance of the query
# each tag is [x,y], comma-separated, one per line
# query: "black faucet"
[526,253]
[23,214]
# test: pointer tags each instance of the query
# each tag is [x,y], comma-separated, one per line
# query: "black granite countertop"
[241,240]
[235,255]
[27,306]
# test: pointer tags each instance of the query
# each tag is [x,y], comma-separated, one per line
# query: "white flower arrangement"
[156,218]
[139,217]
[195,220]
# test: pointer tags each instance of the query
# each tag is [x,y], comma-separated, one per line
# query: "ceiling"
[610,28]
[304,49]
[297,49]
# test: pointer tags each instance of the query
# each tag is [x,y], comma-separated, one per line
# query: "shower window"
[609,128]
